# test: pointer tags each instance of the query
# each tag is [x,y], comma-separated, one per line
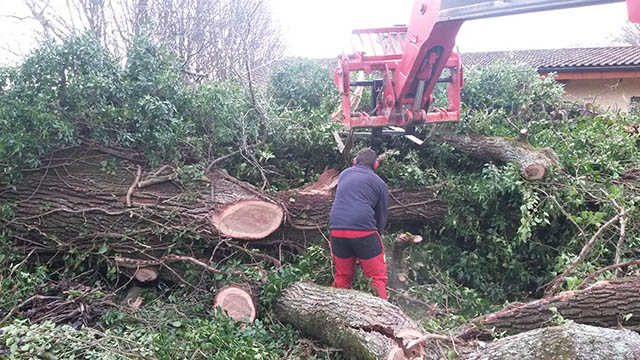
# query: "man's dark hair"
[366,157]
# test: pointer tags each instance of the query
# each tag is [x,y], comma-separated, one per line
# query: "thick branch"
[534,162]
[606,303]
[365,326]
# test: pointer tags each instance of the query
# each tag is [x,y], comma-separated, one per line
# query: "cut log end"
[248,219]
[534,172]
[146,274]
[400,352]
[237,303]
[409,238]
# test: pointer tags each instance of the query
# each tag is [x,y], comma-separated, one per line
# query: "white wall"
[611,94]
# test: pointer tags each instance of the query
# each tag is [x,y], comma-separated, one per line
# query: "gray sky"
[322,28]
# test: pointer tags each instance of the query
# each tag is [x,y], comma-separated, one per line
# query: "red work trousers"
[366,247]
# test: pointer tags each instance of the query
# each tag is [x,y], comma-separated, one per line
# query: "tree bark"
[364,326]
[570,341]
[534,162]
[78,202]
[608,303]
[310,205]
[99,201]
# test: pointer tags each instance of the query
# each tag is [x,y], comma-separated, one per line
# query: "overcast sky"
[322,28]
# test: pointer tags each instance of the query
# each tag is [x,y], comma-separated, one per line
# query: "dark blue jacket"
[361,201]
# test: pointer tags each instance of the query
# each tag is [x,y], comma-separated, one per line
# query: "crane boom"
[411,60]
[479,9]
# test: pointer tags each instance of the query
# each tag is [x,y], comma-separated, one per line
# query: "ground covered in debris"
[494,237]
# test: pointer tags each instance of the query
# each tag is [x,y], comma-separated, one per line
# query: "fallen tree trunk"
[571,341]
[534,162]
[309,206]
[608,303]
[78,201]
[364,326]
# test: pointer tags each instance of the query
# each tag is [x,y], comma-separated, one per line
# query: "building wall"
[614,94]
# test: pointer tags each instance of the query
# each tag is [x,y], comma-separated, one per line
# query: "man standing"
[357,220]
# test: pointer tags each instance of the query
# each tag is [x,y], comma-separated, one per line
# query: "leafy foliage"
[305,84]
[503,237]
[507,237]
[76,91]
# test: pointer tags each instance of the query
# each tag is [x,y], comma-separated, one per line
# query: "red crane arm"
[411,59]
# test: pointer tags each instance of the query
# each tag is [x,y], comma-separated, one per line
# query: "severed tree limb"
[569,341]
[157,180]
[136,263]
[607,303]
[364,326]
[309,206]
[534,162]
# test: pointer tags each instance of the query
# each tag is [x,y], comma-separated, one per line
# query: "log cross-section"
[82,200]
[237,301]
[248,219]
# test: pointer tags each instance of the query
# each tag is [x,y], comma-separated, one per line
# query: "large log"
[607,303]
[82,199]
[534,162]
[363,325]
[571,341]
[310,205]
[96,201]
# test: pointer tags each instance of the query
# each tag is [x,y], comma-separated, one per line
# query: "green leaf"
[103,249]
[176,324]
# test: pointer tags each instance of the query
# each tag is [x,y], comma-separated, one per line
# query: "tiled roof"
[558,59]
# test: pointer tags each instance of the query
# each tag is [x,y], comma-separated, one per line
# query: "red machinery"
[412,59]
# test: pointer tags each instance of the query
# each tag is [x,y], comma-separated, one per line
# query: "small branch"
[133,186]
[136,263]
[605,269]
[275,261]
[16,308]
[411,343]
[161,169]
[157,180]
[263,140]
[583,254]
[623,224]
[116,153]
